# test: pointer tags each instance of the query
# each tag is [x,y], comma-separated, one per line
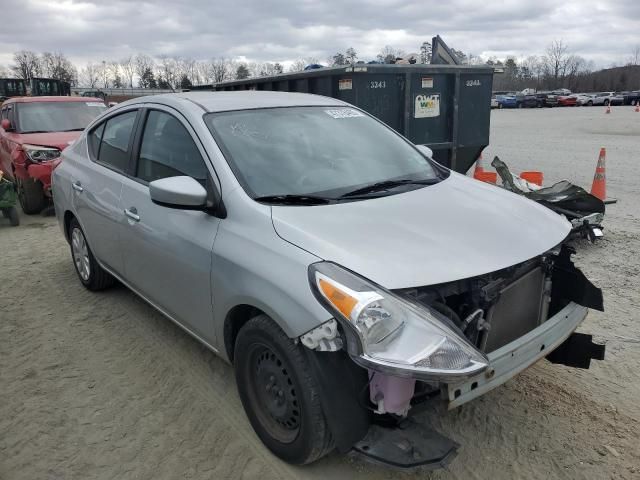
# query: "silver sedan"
[346,275]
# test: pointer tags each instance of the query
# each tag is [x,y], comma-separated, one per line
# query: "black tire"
[500,106]
[606,102]
[520,105]
[279,394]
[590,103]
[30,195]
[94,277]
[12,214]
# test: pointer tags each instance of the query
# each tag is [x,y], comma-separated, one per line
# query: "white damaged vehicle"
[347,276]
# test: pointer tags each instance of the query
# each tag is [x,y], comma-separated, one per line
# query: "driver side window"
[167,150]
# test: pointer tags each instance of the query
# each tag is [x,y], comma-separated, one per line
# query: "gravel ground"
[101,386]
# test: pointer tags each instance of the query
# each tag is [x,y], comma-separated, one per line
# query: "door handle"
[77,186]
[132,213]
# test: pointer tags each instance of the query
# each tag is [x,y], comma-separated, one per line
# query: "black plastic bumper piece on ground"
[408,445]
[577,351]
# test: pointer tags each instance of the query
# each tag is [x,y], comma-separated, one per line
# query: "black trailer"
[446,107]
[36,87]
[12,87]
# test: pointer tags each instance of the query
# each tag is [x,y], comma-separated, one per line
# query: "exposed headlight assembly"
[389,334]
[38,154]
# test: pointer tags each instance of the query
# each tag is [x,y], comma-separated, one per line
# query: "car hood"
[458,228]
[60,140]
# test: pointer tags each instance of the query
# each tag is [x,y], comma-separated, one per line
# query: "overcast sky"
[277,30]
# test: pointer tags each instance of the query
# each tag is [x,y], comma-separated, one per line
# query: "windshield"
[326,151]
[57,116]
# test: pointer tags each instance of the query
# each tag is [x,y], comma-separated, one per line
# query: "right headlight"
[390,334]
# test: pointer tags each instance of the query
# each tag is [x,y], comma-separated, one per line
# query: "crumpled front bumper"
[509,360]
[42,173]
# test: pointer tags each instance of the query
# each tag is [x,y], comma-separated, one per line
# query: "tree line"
[556,68]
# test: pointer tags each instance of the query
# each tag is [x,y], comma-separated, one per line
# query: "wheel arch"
[68,216]
[235,319]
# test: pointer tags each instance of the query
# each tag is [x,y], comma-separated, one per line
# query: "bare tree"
[26,64]
[350,55]
[128,67]
[56,65]
[90,75]
[388,54]
[104,74]
[219,69]
[557,59]
[144,65]
[425,52]
[4,71]
[634,59]
[300,64]
[169,71]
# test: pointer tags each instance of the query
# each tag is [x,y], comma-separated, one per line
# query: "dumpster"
[445,107]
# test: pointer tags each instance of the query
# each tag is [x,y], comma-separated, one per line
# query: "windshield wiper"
[387,184]
[73,130]
[36,131]
[290,199]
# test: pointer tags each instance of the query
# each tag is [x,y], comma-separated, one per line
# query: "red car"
[33,132]
[567,101]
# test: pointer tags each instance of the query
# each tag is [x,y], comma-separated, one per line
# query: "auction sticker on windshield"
[344,113]
[94,104]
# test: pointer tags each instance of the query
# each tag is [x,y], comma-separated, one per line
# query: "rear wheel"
[279,393]
[590,103]
[90,273]
[606,102]
[30,195]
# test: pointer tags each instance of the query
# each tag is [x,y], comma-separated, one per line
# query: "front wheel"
[606,103]
[590,103]
[90,273]
[30,195]
[279,394]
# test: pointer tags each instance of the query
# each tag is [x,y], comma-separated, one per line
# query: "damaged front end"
[455,341]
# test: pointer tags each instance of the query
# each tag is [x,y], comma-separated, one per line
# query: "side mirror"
[425,150]
[183,193]
[6,125]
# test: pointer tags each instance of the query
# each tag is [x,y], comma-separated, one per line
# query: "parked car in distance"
[94,94]
[506,100]
[494,102]
[330,260]
[583,99]
[567,101]
[631,98]
[607,98]
[547,99]
[526,101]
[33,133]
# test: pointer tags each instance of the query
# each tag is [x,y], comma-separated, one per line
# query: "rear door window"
[115,140]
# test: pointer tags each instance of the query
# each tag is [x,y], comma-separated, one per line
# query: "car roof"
[49,99]
[241,100]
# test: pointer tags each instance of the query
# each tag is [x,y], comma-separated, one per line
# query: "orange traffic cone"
[599,187]
[483,175]
[479,168]
[608,110]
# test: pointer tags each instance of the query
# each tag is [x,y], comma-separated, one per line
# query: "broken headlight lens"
[395,336]
[38,154]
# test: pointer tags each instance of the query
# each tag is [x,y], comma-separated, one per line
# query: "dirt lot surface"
[101,386]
